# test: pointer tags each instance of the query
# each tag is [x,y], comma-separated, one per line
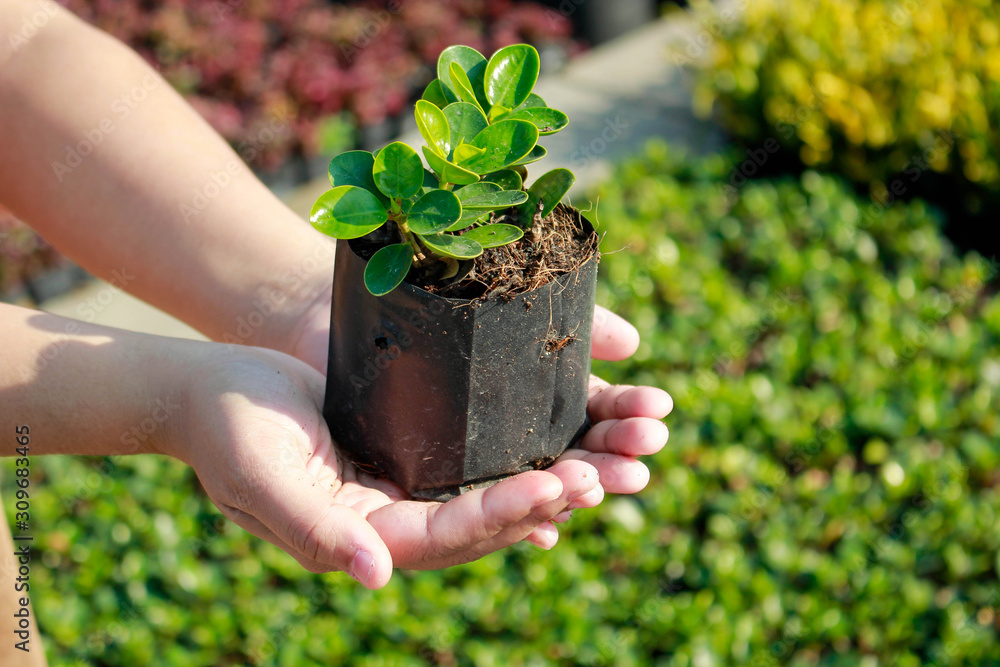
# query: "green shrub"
[870,88]
[829,495]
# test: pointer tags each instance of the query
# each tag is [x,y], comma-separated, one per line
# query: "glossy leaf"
[347,212]
[433,127]
[491,236]
[388,267]
[467,152]
[476,190]
[398,171]
[353,168]
[446,171]
[497,112]
[549,188]
[494,201]
[507,179]
[536,154]
[548,121]
[465,121]
[434,93]
[472,62]
[511,74]
[531,102]
[463,86]
[435,212]
[470,216]
[452,246]
[505,143]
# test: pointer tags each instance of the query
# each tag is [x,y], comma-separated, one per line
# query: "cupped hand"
[253,432]
[626,419]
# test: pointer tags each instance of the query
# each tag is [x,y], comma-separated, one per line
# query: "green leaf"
[472,62]
[435,212]
[507,179]
[475,190]
[466,152]
[458,247]
[550,188]
[548,121]
[511,74]
[353,168]
[492,201]
[497,112]
[448,172]
[536,154]
[465,120]
[491,236]
[505,143]
[347,212]
[434,93]
[463,87]
[388,267]
[532,102]
[472,215]
[398,171]
[469,217]
[433,127]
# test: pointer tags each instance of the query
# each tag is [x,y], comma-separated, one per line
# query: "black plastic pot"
[445,395]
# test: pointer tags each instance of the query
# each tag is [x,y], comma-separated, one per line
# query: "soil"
[552,247]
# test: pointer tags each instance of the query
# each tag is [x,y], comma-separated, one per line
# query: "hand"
[626,419]
[265,457]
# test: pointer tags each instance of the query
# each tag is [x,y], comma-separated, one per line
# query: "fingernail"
[362,567]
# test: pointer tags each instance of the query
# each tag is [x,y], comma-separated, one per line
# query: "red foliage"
[247,64]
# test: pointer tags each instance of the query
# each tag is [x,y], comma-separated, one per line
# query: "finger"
[317,526]
[591,499]
[419,533]
[613,338]
[545,536]
[619,474]
[635,436]
[253,526]
[486,519]
[563,517]
[625,401]
[578,479]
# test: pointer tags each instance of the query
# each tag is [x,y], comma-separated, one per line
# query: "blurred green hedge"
[829,495]
[880,90]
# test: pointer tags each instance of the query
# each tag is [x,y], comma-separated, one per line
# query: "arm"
[108,163]
[249,422]
[120,174]
[82,389]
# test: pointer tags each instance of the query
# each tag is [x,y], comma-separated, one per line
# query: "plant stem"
[409,237]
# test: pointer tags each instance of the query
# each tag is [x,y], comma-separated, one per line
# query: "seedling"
[481,122]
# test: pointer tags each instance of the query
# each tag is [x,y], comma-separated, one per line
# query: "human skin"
[120,212]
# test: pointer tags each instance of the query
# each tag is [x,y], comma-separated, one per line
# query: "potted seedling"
[462,299]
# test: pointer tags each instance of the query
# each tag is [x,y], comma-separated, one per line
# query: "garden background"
[815,284]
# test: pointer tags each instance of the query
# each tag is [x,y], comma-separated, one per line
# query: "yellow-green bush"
[871,88]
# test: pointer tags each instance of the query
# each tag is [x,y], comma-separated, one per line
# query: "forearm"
[117,171]
[85,389]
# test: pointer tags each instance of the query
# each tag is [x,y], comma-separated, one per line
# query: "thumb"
[322,534]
